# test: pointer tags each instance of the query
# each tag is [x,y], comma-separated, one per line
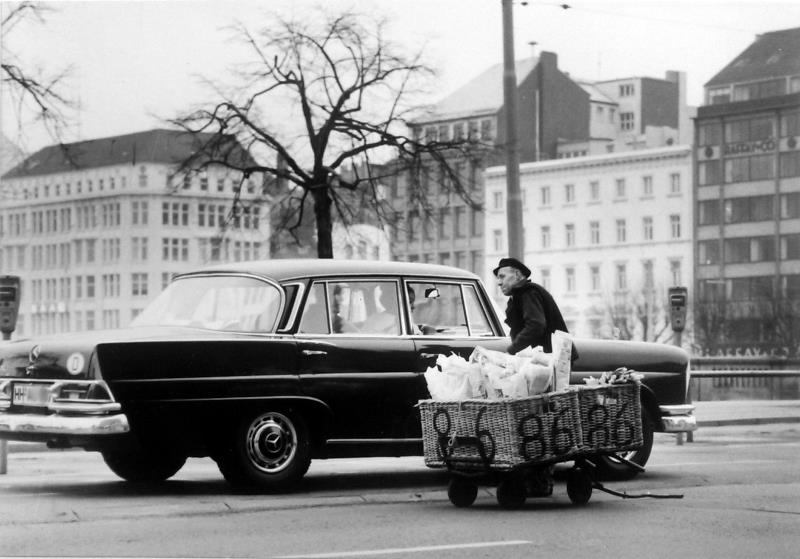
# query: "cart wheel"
[579,486]
[511,493]
[462,493]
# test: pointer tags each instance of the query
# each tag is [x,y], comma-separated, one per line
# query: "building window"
[790,247]
[570,272]
[626,121]
[487,129]
[569,193]
[626,90]
[710,134]
[749,209]
[790,205]
[545,277]
[708,252]
[620,190]
[647,228]
[647,186]
[710,172]
[445,223]
[675,272]
[545,196]
[569,230]
[790,164]
[675,226]
[594,190]
[594,277]
[497,238]
[709,212]
[497,198]
[175,250]
[461,222]
[621,277]
[621,231]
[675,183]
[647,273]
[594,232]
[545,236]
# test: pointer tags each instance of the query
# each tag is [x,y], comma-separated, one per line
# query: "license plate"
[31,395]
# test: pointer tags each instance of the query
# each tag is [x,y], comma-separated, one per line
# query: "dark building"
[747,202]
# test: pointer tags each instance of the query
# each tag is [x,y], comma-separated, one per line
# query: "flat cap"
[513,263]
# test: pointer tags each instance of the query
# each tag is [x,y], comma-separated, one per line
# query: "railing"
[715,378]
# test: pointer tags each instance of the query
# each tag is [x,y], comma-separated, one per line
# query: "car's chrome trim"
[253,378]
[361,376]
[86,407]
[373,441]
[678,418]
[55,424]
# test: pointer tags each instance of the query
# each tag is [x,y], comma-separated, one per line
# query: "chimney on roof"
[533,48]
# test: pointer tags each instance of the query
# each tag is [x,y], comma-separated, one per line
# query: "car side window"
[479,324]
[365,307]
[438,308]
[315,317]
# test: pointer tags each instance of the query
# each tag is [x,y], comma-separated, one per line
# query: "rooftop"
[482,95]
[773,55]
[151,146]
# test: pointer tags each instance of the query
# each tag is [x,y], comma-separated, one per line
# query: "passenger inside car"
[385,319]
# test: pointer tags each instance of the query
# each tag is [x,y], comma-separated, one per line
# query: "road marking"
[396,550]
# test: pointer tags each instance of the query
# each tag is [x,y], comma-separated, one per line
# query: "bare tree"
[31,91]
[351,92]
[639,315]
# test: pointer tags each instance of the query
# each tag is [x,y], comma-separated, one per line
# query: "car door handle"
[314,352]
[429,355]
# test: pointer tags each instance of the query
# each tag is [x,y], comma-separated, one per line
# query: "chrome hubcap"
[271,442]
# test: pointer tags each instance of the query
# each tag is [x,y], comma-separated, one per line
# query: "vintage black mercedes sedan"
[264,366]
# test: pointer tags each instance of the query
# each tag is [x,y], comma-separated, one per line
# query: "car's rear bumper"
[678,419]
[36,427]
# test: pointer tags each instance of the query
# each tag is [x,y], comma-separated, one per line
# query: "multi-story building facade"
[96,229]
[557,118]
[450,231]
[747,200]
[607,235]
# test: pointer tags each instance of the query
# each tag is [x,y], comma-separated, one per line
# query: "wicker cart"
[510,442]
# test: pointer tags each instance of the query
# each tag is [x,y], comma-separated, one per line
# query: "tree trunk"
[322,211]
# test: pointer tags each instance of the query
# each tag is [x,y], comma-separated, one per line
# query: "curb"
[748,421]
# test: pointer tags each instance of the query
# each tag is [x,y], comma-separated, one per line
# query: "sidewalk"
[714,413]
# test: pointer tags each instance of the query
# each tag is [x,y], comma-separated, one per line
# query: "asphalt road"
[741,498]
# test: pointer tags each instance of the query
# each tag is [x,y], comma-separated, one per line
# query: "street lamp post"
[516,239]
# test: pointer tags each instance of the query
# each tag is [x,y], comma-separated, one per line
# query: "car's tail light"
[83,397]
[5,394]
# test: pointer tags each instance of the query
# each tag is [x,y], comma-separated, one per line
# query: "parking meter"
[678,298]
[9,304]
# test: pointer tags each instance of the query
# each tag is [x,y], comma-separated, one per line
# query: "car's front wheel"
[268,450]
[612,468]
[145,465]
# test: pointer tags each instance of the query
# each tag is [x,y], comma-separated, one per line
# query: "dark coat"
[533,315]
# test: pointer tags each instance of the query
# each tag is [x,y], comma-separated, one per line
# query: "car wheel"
[610,467]
[269,451]
[147,465]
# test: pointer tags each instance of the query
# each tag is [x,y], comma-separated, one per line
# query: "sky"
[134,64]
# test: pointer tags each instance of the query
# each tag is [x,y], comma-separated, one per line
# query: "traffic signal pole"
[516,238]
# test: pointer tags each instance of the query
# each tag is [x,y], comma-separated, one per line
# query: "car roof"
[294,268]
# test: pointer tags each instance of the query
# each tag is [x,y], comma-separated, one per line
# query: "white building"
[96,229]
[606,234]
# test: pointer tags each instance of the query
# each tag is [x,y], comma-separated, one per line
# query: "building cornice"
[591,161]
